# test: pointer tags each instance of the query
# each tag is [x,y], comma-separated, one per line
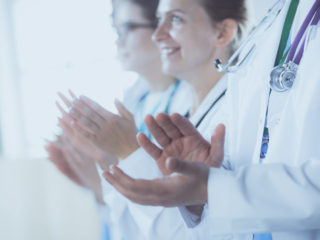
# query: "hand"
[84,167]
[57,157]
[187,186]
[179,139]
[104,159]
[75,165]
[113,133]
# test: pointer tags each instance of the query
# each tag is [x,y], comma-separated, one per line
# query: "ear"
[227,30]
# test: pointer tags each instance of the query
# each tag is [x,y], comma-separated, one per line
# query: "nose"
[161,33]
[119,42]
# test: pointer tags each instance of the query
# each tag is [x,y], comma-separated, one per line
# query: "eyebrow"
[173,11]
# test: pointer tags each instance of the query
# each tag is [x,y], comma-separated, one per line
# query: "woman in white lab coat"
[276,194]
[182,25]
[75,153]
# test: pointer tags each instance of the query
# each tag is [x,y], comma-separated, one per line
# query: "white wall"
[50,46]
[11,122]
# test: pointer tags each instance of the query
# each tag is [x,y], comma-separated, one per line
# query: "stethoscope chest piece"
[282,77]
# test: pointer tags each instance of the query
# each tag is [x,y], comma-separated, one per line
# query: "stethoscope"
[263,25]
[283,76]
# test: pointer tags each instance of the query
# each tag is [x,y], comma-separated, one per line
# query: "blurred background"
[48,46]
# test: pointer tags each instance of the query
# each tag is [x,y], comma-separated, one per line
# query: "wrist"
[129,151]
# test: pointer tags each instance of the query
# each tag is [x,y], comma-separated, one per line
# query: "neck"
[156,79]
[202,81]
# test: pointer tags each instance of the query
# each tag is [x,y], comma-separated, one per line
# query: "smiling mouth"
[167,52]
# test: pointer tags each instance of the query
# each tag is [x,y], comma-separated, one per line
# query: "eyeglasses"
[124,29]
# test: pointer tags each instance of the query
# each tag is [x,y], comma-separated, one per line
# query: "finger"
[64,114]
[217,145]
[148,146]
[167,125]
[120,181]
[89,113]
[70,146]
[157,132]
[71,132]
[185,167]
[96,107]
[156,192]
[184,125]
[72,94]
[83,132]
[66,127]
[57,157]
[73,160]
[68,153]
[84,121]
[61,109]
[136,190]
[123,111]
[53,151]
[66,101]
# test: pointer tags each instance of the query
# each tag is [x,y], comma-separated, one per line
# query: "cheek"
[193,40]
[142,49]
[195,46]
[140,41]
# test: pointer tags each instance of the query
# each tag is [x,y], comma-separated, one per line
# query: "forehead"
[186,6]
[126,11]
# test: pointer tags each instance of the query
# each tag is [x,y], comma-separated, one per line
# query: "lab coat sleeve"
[265,198]
[190,219]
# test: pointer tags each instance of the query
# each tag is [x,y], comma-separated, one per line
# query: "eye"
[176,19]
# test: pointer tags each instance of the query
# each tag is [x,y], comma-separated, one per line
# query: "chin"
[172,70]
[126,67]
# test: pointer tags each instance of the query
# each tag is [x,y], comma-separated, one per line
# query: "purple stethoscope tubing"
[313,17]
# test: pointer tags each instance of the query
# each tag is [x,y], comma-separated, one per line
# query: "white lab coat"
[130,221]
[282,194]
[133,94]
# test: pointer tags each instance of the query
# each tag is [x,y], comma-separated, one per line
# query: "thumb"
[123,111]
[217,146]
[186,167]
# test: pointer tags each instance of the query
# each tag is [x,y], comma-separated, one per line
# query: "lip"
[169,51]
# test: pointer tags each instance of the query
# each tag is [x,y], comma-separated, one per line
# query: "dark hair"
[218,10]
[149,9]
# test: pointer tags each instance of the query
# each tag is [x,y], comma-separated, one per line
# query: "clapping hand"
[187,183]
